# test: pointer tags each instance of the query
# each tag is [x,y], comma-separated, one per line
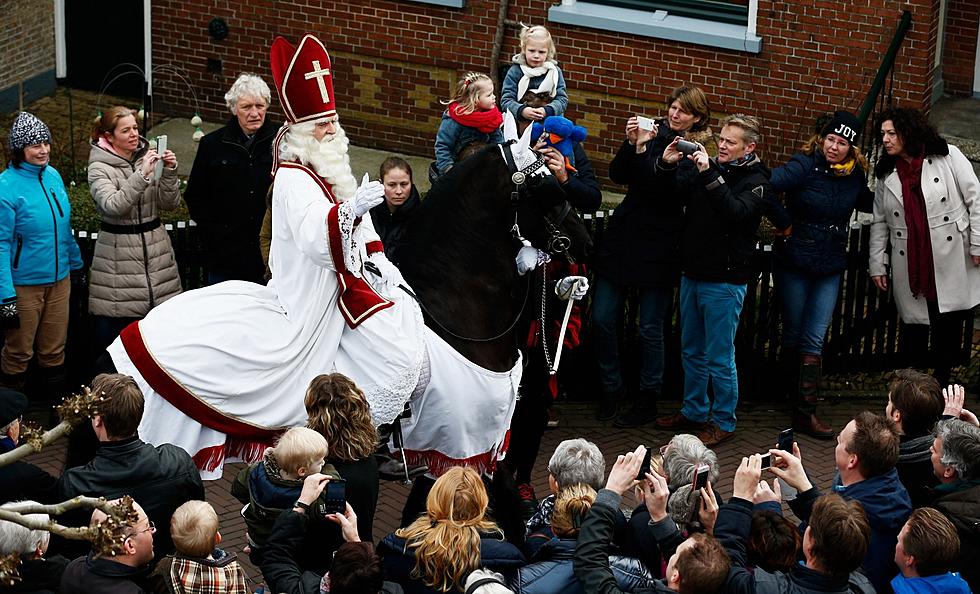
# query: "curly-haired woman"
[454,537]
[339,411]
[927,209]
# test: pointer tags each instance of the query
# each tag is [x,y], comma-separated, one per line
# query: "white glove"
[527,259]
[368,195]
[567,288]
[390,274]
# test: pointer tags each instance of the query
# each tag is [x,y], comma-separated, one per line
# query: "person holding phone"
[273,485]
[355,566]
[641,249]
[134,268]
[724,199]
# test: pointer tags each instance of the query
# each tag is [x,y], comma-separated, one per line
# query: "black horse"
[461,244]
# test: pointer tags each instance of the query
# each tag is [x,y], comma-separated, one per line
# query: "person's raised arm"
[279,566]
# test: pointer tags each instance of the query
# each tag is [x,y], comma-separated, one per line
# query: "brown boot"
[805,416]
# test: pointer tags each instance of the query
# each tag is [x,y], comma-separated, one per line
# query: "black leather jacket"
[160,479]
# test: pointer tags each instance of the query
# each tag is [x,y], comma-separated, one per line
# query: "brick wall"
[960,49]
[393,61]
[27,47]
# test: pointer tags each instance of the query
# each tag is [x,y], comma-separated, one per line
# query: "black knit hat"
[12,405]
[27,130]
[844,124]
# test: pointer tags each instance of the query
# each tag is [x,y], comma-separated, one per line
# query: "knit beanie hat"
[27,130]
[843,124]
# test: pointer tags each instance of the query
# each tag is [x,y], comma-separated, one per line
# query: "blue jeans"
[709,320]
[808,303]
[607,305]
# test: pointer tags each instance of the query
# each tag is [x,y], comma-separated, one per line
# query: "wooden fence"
[865,333]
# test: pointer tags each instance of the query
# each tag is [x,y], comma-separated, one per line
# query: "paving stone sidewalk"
[757,429]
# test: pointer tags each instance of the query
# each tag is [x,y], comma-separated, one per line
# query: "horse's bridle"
[558,242]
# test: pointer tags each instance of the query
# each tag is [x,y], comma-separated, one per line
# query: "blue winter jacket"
[452,137]
[819,205]
[551,570]
[36,244]
[509,101]
[946,583]
[888,507]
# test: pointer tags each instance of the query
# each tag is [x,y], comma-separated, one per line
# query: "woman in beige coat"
[134,268]
[927,213]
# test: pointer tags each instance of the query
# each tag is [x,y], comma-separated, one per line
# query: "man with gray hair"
[575,461]
[226,191]
[726,198]
[38,571]
[956,463]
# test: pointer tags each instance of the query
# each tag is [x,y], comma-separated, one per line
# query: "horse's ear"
[524,144]
[510,127]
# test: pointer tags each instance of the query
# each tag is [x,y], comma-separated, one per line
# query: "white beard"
[328,157]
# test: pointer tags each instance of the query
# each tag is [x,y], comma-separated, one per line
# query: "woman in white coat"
[927,217]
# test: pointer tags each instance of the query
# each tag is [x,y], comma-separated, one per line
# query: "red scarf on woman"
[922,274]
[484,121]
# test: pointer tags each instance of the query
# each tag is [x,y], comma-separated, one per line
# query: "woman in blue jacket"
[37,253]
[823,185]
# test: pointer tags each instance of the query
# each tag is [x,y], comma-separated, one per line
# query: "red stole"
[357,300]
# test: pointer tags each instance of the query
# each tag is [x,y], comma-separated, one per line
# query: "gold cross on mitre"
[318,73]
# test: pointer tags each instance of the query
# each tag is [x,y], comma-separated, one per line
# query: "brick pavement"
[757,429]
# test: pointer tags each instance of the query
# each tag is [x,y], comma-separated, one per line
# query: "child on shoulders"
[471,116]
[534,87]
[273,485]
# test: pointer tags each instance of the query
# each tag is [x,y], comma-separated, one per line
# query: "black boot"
[14,381]
[608,405]
[805,415]
[54,384]
[789,363]
[643,411]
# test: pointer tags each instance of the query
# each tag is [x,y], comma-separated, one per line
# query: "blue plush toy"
[561,133]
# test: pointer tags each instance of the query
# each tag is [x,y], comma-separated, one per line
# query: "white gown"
[239,356]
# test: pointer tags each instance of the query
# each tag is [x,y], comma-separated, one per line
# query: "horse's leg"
[415,504]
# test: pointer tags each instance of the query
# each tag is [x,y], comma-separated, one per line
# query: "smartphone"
[785,440]
[645,123]
[686,147]
[700,478]
[161,147]
[334,498]
[766,460]
[645,467]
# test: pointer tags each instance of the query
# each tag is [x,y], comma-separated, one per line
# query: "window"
[727,24]
[735,12]
[449,3]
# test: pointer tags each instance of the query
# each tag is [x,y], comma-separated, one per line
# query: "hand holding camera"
[789,467]
[640,130]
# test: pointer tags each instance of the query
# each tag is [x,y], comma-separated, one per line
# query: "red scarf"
[922,274]
[485,121]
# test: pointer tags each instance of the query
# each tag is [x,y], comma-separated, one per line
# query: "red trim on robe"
[357,301]
[182,398]
[375,247]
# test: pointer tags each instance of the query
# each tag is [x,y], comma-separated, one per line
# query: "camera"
[333,500]
[686,147]
[645,123]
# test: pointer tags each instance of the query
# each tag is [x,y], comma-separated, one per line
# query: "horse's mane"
[450,224]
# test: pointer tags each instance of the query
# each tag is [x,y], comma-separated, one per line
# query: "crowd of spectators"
[859,533]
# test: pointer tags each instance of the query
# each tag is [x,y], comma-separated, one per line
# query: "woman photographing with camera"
[641,249]
[823,184]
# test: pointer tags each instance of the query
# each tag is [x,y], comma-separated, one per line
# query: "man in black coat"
[228,183]
[726,198]
[20,480]
[160,478]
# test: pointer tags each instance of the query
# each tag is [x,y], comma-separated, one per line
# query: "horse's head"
[543,215]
